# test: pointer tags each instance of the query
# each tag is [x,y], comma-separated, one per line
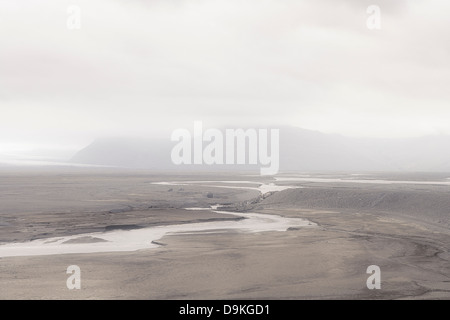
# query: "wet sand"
[327,262]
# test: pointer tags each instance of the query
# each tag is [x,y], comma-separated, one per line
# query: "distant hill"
[300,149]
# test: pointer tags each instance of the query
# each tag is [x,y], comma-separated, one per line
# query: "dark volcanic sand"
[328,262]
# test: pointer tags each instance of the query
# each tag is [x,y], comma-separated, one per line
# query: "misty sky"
[136,67]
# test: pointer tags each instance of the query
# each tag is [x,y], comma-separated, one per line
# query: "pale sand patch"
[85,239]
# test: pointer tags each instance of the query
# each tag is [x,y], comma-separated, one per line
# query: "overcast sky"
[136,67]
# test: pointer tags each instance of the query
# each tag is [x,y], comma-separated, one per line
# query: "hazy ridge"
[300,149]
